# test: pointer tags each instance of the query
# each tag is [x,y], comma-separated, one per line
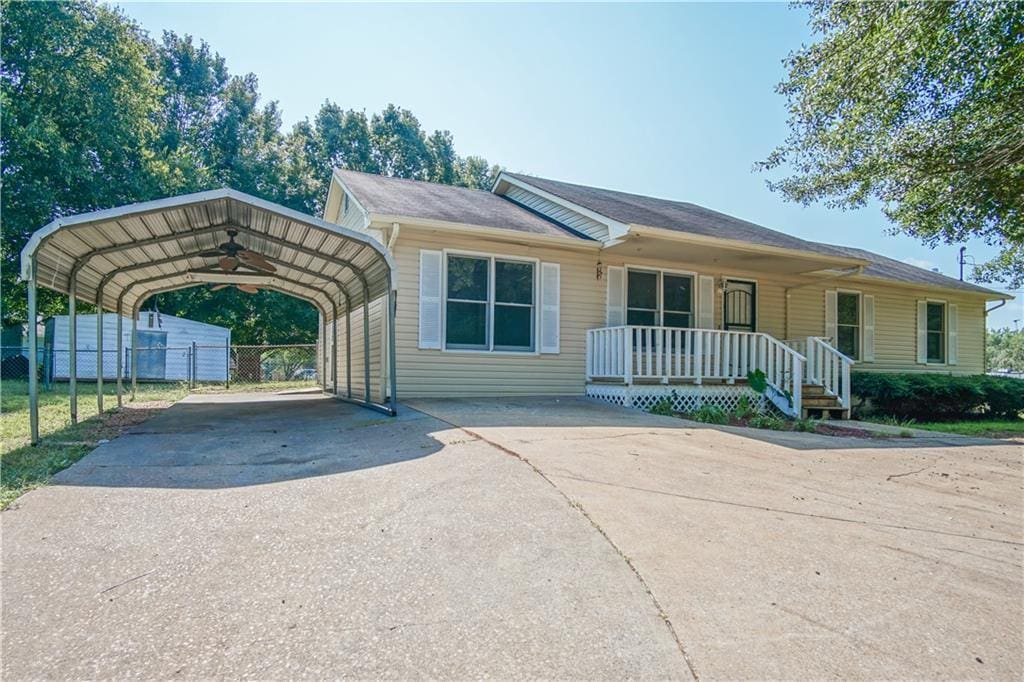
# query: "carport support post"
[73,350]
[392,379]
[366,347]
[120,353]
[99,351]
[33,350]
[135,351]
[348,347]
[334,350]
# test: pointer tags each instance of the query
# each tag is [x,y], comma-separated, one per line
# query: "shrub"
[743,407]
[663,407]
[710,414]
[767,420]
[937,397]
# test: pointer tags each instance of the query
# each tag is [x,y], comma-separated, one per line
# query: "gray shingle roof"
[432,201]
[685,217]
[887,268]
[678,216]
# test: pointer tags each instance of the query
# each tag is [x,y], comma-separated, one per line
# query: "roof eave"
[506,233]
[675,235]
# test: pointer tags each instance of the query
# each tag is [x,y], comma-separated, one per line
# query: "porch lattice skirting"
[685,398]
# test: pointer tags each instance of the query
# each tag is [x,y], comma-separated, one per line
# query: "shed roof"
[133,251]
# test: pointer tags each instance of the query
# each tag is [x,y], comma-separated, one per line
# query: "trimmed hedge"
[937,397]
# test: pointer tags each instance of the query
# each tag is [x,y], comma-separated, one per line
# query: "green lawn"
[994,428]
[23,467]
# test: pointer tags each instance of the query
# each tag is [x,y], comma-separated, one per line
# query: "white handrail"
[827,367]
[664,354]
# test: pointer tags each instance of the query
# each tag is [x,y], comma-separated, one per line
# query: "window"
[659,299]
[848,324]
[936,332]
[479,316]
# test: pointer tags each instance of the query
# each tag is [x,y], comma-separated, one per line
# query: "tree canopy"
[96,113]
[919,106]
[1004,349]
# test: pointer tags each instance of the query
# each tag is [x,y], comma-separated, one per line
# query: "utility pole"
[963,250]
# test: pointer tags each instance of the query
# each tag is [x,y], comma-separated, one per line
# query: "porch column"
[120,353]
[73,350]
[99,351]
[33,342]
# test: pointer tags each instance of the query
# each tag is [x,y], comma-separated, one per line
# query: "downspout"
[842,275]
[386,321]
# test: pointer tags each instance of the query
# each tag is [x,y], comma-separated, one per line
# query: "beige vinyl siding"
[462,373]
[441,373]
[895,313]
[559,213]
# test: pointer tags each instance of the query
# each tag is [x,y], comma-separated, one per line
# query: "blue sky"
[674,101]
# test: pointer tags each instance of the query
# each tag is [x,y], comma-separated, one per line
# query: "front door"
[740,301]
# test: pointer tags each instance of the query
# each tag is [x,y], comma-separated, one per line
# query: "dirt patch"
[849,432]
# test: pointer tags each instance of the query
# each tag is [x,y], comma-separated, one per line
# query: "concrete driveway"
[794,555]
[295,536]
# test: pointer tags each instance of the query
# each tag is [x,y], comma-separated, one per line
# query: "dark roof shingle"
[431,201]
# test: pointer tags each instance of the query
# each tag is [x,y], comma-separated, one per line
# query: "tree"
[920,106]
[1004,349]
[78,108]
[399,144]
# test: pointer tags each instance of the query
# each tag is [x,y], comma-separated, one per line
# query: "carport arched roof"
[126,253]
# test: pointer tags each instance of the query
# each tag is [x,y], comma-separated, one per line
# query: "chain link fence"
[285,366]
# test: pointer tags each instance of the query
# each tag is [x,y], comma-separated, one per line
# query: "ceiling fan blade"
[248,288]
[228,264]
[212,253]
[256,260]
[218,287]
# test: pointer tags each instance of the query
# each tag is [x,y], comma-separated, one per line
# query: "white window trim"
[945,332]
[661,292]
[491,257]
[860,321]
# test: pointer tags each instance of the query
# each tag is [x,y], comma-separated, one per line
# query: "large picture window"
[848,324]
[936,332]
[489,304]
[655,298]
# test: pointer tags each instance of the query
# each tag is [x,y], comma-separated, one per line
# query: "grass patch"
[24,467]
[985,428]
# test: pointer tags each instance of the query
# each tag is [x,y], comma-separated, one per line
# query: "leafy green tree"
[920,106]
[444,162]
[1004,349]
[78,105]
[399,144]
[475,172]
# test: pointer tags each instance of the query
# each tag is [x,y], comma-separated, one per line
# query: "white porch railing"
[664,354]
[826,366]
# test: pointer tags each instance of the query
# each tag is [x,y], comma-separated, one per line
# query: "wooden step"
[835,412]
[812,389]
[819,401]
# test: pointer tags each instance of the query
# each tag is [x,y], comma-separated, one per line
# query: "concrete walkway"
[792,555]
[294,536]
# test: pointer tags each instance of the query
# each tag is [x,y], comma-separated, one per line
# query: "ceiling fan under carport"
[231,254]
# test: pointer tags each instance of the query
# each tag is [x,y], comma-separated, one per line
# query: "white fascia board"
[379,221]
[336,177]
[615,228]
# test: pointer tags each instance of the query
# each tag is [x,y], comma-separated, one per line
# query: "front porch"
[637,366]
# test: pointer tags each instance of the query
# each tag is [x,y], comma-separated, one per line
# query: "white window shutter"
[430,299]
[616,303]
[706,302]
[549,307]
[952,334]
[922,332]
[868,352]
[831,317]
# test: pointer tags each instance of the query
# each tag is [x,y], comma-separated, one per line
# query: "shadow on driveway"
[228,441]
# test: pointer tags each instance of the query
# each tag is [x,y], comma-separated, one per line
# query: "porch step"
[816,404]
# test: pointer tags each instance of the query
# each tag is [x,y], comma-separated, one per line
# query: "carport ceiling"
[134,250]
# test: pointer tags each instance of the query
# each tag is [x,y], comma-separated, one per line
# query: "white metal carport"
[120,257]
